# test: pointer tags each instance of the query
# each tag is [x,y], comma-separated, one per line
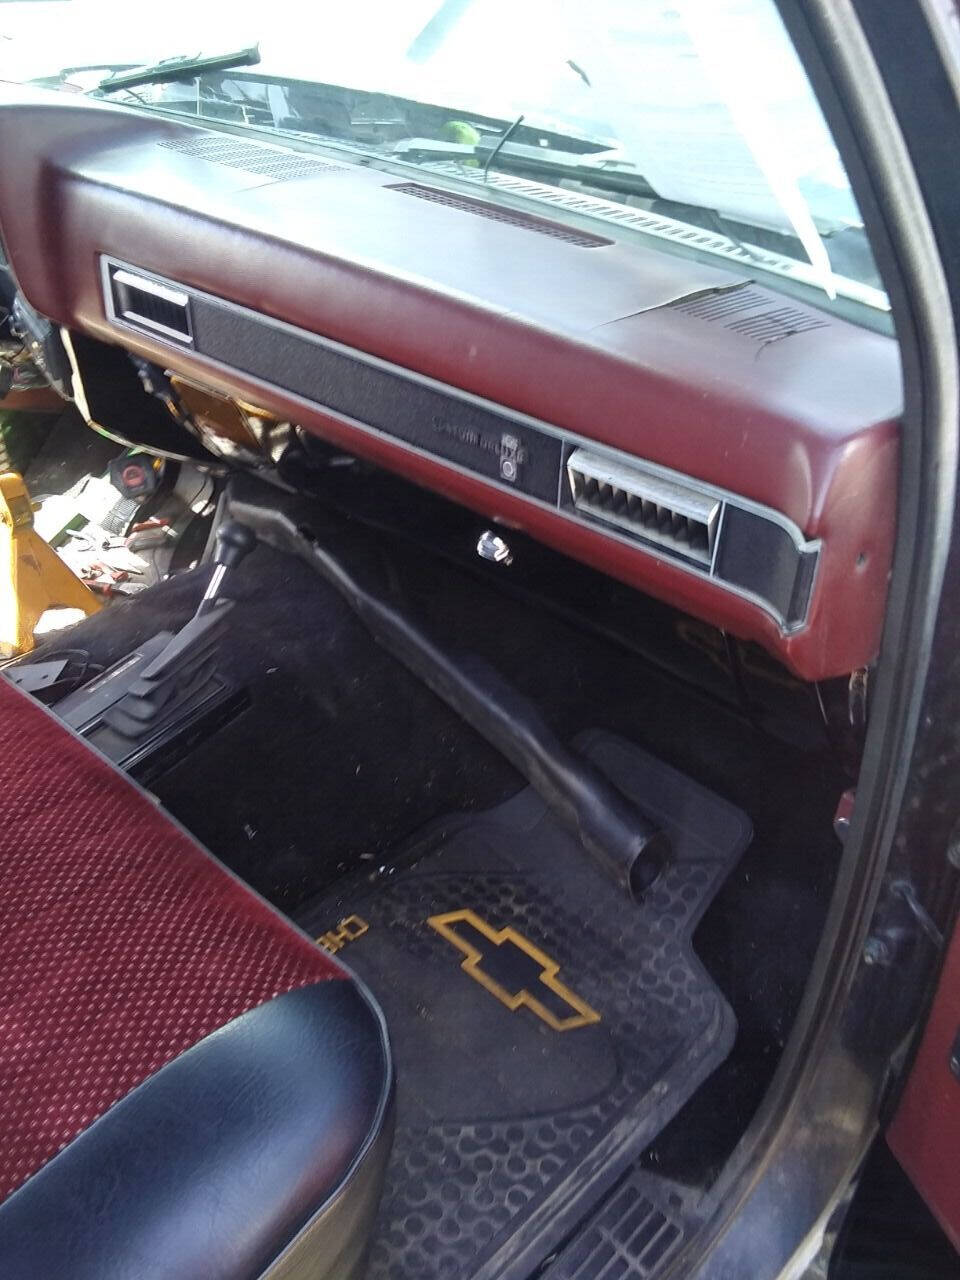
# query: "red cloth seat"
[126,946]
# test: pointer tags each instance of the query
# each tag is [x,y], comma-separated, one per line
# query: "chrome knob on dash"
[490,546]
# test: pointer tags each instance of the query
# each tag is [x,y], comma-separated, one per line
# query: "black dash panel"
[759,555]
[478,439]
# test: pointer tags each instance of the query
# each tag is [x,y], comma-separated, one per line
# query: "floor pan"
[545,1028]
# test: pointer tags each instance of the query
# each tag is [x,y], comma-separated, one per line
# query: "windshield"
[652,115]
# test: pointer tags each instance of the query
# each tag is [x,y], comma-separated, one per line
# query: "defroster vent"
[498,213]
[237,153]
[649,506]
[751,313]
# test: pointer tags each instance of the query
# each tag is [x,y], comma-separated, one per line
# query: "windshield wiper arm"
[524,160]
[501,143]
[185,68]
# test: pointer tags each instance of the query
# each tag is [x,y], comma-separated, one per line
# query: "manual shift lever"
[234,543]
[164,689]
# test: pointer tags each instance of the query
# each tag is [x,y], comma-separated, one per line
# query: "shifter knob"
[234,543]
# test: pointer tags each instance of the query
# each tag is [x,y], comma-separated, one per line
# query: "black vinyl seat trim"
[215,1164]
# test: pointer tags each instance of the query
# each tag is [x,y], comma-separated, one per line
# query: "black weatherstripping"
[867,62]
[262,1125]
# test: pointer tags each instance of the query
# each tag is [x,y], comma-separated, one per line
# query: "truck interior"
[507,584]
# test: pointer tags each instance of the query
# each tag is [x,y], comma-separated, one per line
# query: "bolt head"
[490,546]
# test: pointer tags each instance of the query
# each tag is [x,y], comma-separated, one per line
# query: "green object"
[461,132]
[21,435]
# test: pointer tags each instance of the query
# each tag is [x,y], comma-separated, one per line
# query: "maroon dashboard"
[676,424]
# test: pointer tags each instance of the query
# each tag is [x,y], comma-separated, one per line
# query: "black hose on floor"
[625,843]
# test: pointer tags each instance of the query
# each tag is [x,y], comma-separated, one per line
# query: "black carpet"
[341,753]
[544,1026]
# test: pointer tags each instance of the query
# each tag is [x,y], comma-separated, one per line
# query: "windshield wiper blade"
[185,68]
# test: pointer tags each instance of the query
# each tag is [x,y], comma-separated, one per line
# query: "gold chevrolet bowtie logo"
[513,969]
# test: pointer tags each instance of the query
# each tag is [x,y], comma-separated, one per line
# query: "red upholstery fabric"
[122,943]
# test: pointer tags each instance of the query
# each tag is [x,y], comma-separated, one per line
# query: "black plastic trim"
[480,439]
[224,1155]
[762,558]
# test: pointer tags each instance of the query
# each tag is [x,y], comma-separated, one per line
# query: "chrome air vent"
[498,213]
[645,504]
[147,304]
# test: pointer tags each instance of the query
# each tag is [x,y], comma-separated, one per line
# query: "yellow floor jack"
[33,578]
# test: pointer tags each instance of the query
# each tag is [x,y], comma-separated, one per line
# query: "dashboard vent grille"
[149,305]
[496,213]
[751,313]
[674,516]
[267,162]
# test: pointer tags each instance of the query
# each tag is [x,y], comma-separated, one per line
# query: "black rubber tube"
[624,843]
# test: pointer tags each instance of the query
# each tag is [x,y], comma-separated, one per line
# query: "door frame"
[889,93]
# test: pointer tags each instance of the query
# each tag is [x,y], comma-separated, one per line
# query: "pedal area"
[545,1027]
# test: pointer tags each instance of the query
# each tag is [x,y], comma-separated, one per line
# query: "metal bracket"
[900,920]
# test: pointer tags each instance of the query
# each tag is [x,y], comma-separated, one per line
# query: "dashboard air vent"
[645,504]
[267,162]
[497,213]
[147,304]
[751,313]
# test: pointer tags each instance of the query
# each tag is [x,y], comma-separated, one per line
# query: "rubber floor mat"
[545,1028]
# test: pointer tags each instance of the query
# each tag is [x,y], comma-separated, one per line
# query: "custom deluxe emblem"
[513,970]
